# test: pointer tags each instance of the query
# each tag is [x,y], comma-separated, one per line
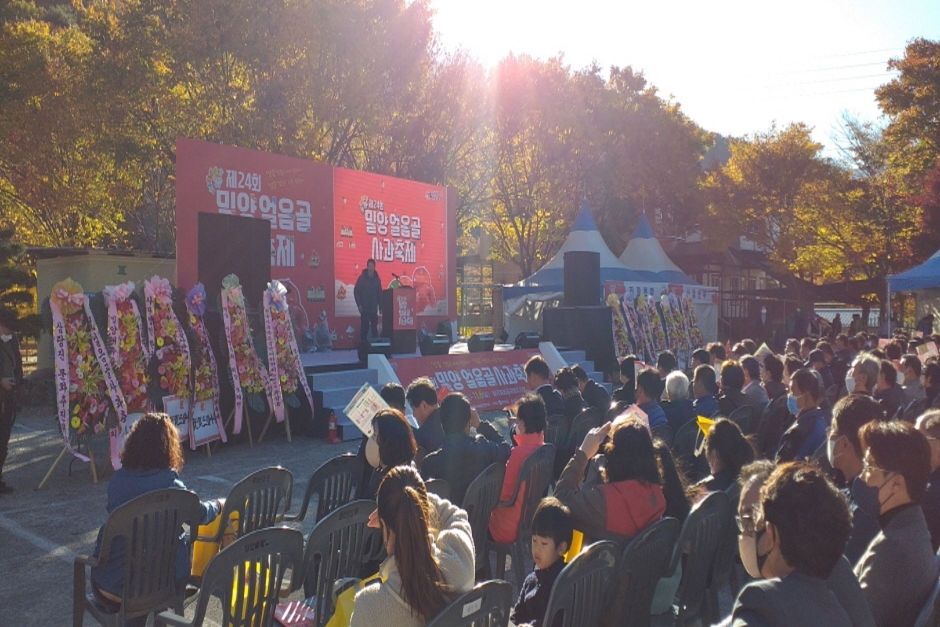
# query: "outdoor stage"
[339,360]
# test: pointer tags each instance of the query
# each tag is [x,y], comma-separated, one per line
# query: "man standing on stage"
[367,293]
[11,374]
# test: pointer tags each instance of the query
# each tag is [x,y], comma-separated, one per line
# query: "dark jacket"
[774,422]
[430,435]
[931,506]
[624,394]
[11,365]
[774,389]
[126,485]
[596,395]
[899,569]
[797,600]
[803,437]
[554,403]
[462,457]
[843,583]
[678,412]
[574,405]
[706,406]
[368,291]
[533,597]
[891,400]
[729,400]
[863,503]
[718,482]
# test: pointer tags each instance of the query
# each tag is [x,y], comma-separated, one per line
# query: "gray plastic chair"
[261,500]
[536,474]
[556,430]
[336,549]
[582,423]
[683,446]
[487,605]
[747,418]
[144,532]
[335,483]
[246,578]
[723,573]
[479,502]
[579,592]
[643,562]
[702,534]
[440,487]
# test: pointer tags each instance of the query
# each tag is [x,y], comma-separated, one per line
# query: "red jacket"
[632,506]
[504,521]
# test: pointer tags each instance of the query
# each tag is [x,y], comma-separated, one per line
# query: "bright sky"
[736,66]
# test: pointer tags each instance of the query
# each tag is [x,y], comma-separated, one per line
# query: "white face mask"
[372,452]
[850,385]
[900,378]
[6,338]
[831,451]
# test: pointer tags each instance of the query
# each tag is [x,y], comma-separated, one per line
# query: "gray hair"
[870,366]
[677,385]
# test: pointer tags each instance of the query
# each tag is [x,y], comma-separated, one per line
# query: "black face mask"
[761,559]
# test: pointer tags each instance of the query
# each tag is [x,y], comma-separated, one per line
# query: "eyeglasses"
[748,522]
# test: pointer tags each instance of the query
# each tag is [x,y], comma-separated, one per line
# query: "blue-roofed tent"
[646,258]
[924,280]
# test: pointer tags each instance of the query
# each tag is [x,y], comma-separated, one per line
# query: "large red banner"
[325,223]
[491,380]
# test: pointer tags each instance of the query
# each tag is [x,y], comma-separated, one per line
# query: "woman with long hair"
[392,444]
[151,459]
[727,452]
[640,483]
[430,554]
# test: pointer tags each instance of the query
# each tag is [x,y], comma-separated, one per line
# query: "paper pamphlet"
[926,351]
[363,407]
[634,412]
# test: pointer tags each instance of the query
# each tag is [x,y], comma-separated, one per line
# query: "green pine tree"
[18,283]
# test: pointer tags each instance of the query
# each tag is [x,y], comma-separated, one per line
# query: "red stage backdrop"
[325,223]
[491,380]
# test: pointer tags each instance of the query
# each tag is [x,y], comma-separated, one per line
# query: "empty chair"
[914,409]
[479,501]
[534,478]
[440,487]
[260,500]
[581,588]
[487,605]
[702,534]
[148,531]
[336,548]
[335,483]
[643,562]
[747,418]
[246,578]
[582,423]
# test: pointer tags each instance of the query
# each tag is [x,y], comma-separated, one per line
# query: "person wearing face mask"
[808,432]
[899,569]
[11,375]
[841,582]
[429,544]
[929,425]
[392,444]
[863,377]
[792,537]
[844,453]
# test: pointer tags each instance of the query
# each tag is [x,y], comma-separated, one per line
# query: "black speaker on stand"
[481,342]
[375,346]
[434,345]
[528,339]
[582,279]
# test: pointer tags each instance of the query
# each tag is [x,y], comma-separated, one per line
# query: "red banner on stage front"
[491,380]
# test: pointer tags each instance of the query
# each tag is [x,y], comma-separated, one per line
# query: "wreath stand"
[65,449]
[268,424]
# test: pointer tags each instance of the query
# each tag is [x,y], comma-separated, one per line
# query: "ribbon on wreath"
[274,299]
[233,365]
[281,306]
[158,292]
[110,379]
[232,292]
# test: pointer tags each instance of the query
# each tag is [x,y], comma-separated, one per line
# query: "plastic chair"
[722,572]
[683,446]
[746,417]
[582,423]
[643,563]
[701,535]
[479,501]
[578,594]
[440,487]
[534,478]
[335,483]
[930,614]
[615,410]
[257,500]
[336,548]
[556,430]
[832,394]
[487,605]
[913,410]
[664,433]
[246,578]
[147,531]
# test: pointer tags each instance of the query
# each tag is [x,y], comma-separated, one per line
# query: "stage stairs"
[573,357]
[338,389]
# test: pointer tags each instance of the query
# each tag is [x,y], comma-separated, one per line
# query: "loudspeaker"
[528,339]
[444,328]
[375,346]
[233,244]
[481,342]
[582,328]
[434,345]
[582,279]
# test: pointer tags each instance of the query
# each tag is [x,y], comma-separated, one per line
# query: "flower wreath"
[86,387]
[169,350]
[128,352]
[285,371]
[205,371]
[249,376]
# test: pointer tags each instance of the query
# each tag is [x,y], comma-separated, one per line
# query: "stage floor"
[349,359]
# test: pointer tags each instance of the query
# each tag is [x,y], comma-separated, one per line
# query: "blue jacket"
[654,413]
[706,406]
[126,485]
[803,437]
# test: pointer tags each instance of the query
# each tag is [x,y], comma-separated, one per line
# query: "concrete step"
[342,379]
[573,357]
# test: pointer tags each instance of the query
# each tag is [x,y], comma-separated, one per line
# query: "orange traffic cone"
[332,437]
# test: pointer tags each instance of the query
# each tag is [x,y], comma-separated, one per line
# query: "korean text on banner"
[364,406]
[177,408]
[205,426]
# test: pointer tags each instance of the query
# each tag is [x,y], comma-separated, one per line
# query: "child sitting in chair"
[551,537]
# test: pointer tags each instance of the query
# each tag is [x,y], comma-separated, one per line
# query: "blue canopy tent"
[925,281]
